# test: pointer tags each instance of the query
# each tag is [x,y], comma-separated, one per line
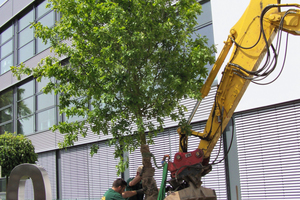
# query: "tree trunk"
[148,181]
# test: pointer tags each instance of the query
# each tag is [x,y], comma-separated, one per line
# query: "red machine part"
[184,159]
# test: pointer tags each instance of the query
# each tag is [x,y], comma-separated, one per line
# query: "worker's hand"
[164,159]
[141,191]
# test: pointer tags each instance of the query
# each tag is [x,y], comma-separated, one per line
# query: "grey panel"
[268,150]
[12,7]
[6,12]
[6,80]
[18,5]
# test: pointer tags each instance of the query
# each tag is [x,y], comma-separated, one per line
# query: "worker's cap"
[139,169]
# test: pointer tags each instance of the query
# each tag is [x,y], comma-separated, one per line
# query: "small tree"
[15,150]
[133,61]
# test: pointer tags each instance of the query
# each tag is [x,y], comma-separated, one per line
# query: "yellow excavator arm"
[252,38]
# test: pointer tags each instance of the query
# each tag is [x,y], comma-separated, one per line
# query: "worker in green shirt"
[117,192]
[135,183]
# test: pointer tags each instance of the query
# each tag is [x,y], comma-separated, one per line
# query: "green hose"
[161,194]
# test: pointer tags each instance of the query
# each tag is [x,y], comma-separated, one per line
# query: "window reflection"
[44,101]
[6,114]
[41,84]
[26,20]
[6,63]
[6,111]
[25,90]
[6,99]
[26,52]
[73,118]
[41,46]
[47,20]
[26,125]
[25,36]
[25,107]
[7,127]
[45,119]
[7,34]
[41,9]
[6,49]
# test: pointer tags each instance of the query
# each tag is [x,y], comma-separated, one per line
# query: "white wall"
[225,14]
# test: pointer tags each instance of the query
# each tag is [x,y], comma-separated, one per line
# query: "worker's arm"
[128,194]
[135,181]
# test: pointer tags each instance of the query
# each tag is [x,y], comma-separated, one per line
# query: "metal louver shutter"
[74,172]
[268,150]
[102,170]
[48,162]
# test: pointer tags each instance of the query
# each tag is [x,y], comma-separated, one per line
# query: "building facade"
[263,157]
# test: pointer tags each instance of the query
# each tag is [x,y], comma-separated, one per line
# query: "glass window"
[6,114]
[206,15]
[6,49]
[25,90]
[7,127]
[41,9]
[41,84]
[26,20]
[25,107]
[45,119]
[44,101]
[26,52]
[48,20]
[26,125]
[76,117]
[41,46]
[73,119]
[6,99]
[6,63]
[7,34]
[25,36]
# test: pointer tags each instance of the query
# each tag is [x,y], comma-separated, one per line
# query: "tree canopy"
[15,150]
[129,63]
